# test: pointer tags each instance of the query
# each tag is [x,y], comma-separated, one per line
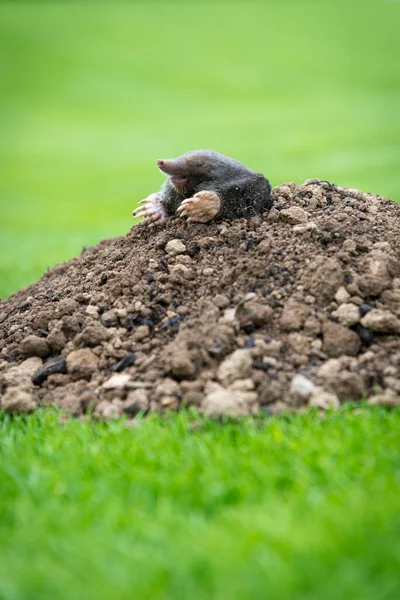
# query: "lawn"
[293,508]
[92,94]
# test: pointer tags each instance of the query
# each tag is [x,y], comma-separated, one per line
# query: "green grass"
[296,508]
[93,93]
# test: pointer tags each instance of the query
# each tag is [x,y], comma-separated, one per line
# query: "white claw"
[151,208]
[153,217]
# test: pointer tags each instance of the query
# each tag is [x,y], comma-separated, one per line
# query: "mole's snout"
[172,166]
[164,166]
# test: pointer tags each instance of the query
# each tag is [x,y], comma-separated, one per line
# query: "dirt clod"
[17,400]
[298,306]
[34,345]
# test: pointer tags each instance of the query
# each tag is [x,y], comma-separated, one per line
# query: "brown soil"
[298,307]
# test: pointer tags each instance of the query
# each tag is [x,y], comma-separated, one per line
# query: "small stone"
[301,387]
[264,246]
[66,307]
[312,326]
[329,369]
[56,340]
[316,345]
[271,361]
[93,334]
[270,391]
[136,401]
[273,348]
[117,381]
[221,301]
[56,364]
[371,285]
[303,228]
[229,315]
[347,386]
[208,271]
[381,321]
[325,400]
[293,315]
[21,375]
[294,215]
[108,410]
[181,366]
[167,387]
[185,259]
[243,385]
[220,401]
[109,318]
[384,246]
[298,343]
[193,398]
[17,400]
[34,345]
[338,340]
[324,281]
[237,365]
[175,247]
[387,398]
[179,271]
[141,333]
[92,310]
[81,364]
[342,295]
[391,298]
[392,383]
[71,325]
[253,314]
[347,314]
[170,402]
[350,246]
[367,356]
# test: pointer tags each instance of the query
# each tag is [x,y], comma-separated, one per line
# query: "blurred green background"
[92,94]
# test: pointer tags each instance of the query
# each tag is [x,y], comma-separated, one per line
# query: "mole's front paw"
[203,207]
[152,209]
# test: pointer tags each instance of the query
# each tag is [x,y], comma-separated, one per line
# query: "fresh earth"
[291,507]
[299,305]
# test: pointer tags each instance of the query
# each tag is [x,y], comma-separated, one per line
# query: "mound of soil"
[300,306]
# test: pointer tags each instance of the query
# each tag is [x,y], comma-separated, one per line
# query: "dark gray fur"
[243,192]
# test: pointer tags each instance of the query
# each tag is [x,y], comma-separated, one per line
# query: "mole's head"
[200,166]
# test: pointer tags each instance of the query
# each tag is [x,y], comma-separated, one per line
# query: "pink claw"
[151,208]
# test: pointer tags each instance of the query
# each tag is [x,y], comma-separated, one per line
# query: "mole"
[203,185]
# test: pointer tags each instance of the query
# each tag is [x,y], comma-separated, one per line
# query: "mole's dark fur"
[243,192]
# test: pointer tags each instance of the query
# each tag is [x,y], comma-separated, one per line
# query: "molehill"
[297,307]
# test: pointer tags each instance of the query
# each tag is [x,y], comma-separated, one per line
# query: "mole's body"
[205,185]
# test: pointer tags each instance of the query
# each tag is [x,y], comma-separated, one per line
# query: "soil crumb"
[297,307]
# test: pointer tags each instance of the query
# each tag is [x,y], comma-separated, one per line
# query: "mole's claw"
[139,213]
[184,207]
[151,208]
[185,203]
[152,216]
[203,207]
